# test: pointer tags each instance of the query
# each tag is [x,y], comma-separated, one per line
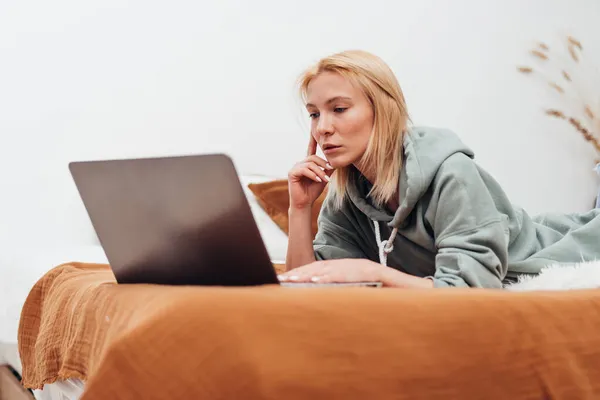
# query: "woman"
[446,222]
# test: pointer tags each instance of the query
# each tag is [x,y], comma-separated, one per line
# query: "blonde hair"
[383,155]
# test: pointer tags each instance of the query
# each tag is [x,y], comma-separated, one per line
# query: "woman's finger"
[295,276]
[312,146]
[305,273]
[318,171]
[319,161]
[303,171]
[330,275]
[309,173]
[321,278]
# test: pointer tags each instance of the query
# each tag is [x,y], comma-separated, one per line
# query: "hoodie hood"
[425,149]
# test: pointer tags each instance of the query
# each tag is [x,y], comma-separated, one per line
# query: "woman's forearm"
[394,278]
[300,248]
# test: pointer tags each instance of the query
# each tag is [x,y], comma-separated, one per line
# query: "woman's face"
[341,118]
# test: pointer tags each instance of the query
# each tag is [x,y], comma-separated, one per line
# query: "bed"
[157,342]
[278,343]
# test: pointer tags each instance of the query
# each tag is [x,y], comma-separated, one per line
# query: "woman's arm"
[471,234]
[300,245]
[349,270]
[336,236]
[397,279]
[306,181]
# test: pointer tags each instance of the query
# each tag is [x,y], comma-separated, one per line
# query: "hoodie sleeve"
[337,237]
[471,235]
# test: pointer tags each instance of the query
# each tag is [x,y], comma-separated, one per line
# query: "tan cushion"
[274,198]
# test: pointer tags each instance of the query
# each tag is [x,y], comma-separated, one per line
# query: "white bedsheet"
[71,389]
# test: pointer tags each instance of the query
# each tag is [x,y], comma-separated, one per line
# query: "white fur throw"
[585,275]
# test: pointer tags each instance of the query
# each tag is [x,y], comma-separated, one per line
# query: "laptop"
[180,220]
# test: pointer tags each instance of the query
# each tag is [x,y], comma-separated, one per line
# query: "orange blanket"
[159,342]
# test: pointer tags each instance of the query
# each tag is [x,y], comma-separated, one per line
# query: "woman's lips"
[331,149]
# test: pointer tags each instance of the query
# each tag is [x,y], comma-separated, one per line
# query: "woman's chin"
[338,162]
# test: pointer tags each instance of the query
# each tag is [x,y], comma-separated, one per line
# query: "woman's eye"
[340,109]
[313,115]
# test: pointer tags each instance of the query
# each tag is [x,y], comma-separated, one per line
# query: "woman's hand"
[336,271]
[307,179]
[353,270]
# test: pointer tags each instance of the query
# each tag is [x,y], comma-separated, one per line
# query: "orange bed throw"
[161,342]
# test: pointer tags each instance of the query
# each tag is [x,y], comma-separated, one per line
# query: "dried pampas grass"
[587,135]
[574,42]
[539,54]
[589,113]
[586,97]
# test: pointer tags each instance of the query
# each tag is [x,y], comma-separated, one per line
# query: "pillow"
[273,196]
[275,240]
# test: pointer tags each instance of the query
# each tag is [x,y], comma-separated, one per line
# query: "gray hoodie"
[455,224]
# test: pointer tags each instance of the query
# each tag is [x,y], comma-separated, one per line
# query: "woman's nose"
[324,125]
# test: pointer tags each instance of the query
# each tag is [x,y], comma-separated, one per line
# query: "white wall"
[102,79]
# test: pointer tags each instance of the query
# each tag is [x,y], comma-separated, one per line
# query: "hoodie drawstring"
[385,246]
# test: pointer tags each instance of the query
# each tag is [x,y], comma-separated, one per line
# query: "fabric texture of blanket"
[585,275]
[157,342]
